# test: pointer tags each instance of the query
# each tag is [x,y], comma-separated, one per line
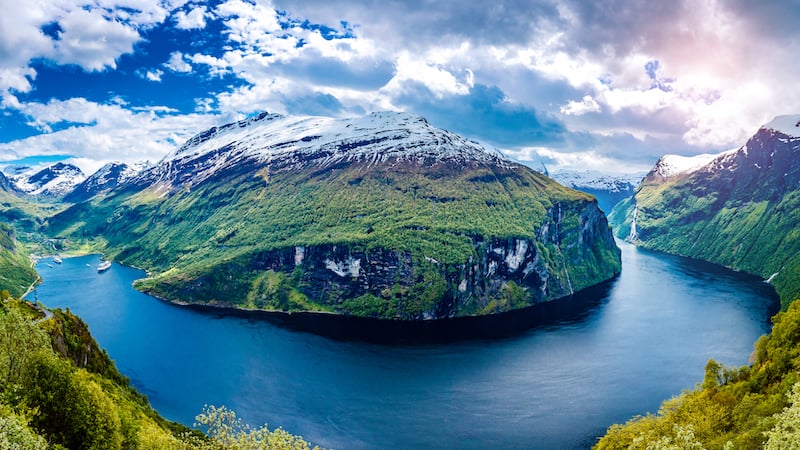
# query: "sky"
[604,85]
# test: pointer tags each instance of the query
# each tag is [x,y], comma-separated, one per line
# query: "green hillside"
[16,268]
[742,211]
[401,239]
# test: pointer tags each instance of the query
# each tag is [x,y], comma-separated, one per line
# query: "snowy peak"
[589,179]
[5,183]
[106,178]
[608,189]
[669,166]
[788,125]
[375,136]
[783,128]
[55,180]
[295,142]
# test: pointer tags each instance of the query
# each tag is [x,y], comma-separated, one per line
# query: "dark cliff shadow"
[565,311]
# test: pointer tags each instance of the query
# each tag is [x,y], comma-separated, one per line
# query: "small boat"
[105,265]
[57,260]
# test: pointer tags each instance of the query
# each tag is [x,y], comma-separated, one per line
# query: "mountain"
[608,189]
[739,208]
[53,181]
[381,216]
[106,178]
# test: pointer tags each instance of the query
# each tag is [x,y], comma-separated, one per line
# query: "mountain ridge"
[383,216]
[52,181]
[738,209]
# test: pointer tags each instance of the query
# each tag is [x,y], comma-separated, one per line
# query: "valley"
[277,224]
[387,218]
[737,209]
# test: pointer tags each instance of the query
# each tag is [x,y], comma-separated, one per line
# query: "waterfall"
[633,235]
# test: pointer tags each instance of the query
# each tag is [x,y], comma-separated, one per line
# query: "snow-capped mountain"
[737,208]
[301,141]
[784,128]
[379,216]
[608,188]
[106,178]
[55,180]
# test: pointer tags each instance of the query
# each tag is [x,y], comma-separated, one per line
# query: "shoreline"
[394,331]
[340,327]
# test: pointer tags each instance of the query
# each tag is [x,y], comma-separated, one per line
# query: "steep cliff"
[382,216]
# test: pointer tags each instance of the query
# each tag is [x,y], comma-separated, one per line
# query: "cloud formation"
[602,85]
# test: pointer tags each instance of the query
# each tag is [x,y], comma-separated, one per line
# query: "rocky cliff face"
[501,274]
[382,216]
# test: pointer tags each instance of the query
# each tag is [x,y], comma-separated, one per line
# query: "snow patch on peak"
[671,165]
[294,141]
[788,125]
[55,180]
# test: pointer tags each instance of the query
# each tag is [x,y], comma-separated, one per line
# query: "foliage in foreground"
[229,432]
[59,390]
[734,408]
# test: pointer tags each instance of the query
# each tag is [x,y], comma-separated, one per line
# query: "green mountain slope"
[382,216]
[740,209]
[16,269]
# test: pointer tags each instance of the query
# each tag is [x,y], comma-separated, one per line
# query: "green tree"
[229,432]
[786,433]
[15,434]
[20,338]
[72,408]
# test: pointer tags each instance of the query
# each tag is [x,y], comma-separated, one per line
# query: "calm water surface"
[592,361]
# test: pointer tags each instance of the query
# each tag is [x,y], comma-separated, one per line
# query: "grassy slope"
[425,212]
[16,269]
[683,217]
[58,390]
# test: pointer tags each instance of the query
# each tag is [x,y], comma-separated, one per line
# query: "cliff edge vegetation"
[749,407]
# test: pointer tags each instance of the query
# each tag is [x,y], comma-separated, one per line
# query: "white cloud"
[585,106]
[573,160]
[154,75]
[248,23]
[93,41]
[106,132]
[177,63]
[193,20]
[437,79]
[218,66]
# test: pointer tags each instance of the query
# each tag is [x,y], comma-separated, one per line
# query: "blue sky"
[606,86]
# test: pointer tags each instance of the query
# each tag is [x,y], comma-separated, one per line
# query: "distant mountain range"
[739,208]
[52,181]
[63,181]
[104,180]
[380,216]
[607,188]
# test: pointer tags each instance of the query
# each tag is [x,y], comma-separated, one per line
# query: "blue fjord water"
[582,364]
